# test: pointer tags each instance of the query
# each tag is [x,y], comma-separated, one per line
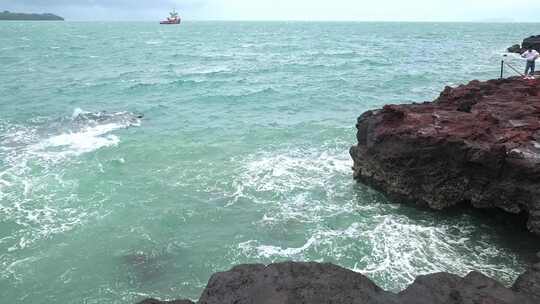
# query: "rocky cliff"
[312,283]
[477,144]
[532,42]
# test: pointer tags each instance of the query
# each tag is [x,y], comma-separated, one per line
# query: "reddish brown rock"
[477,144]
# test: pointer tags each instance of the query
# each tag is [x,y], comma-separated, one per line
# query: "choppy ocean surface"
[241,156]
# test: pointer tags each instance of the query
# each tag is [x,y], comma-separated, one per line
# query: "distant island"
[7,15]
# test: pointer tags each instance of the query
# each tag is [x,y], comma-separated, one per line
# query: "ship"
[172,19]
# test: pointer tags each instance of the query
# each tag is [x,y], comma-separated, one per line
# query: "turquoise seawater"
[241,156]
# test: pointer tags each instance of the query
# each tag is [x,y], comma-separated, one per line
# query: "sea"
[138,159]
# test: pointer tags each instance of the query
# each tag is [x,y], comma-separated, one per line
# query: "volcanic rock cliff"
[477,144]
[531,42]
[313,283]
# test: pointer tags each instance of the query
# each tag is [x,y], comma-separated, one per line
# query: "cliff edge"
[313,283]
[477,144]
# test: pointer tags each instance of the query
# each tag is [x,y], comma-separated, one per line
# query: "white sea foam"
[268,251]
[34,194]
[77,112]
[154,42]
[313,189]
[292,171]
[394,250]
[76,143]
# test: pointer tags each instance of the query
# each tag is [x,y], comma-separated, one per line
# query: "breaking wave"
[37,201]
[313,211]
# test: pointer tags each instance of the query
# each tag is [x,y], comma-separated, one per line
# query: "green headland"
[7,15]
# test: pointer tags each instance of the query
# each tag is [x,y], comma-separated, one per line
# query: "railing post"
[502,68]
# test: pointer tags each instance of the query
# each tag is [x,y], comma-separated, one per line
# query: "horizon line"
[301,20]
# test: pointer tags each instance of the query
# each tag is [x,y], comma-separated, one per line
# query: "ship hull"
[170,22]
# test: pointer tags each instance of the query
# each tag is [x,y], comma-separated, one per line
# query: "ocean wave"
[311,210]
[292,171]
[393,249]
[403,249]
[145,86]
[315,243]
[337,54]
[154,42]
[76,143]
[86,132]
[36,199]
[204,57]
[207,71]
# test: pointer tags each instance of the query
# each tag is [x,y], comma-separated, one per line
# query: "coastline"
[242,156]
[314,283]
[392,169]
[12,16]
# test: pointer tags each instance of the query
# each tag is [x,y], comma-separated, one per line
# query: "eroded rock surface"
[313,283]
[477,144]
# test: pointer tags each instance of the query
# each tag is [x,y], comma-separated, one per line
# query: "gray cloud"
[390,10]
[106,9]
[102,3]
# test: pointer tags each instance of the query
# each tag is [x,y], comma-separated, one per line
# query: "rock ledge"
[477,144]
[313,283]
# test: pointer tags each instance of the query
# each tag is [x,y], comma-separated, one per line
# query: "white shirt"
[530,55]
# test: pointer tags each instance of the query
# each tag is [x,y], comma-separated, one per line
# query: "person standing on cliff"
[531,55]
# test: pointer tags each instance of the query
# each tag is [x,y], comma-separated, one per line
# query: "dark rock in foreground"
[312,283]
[529,282]
[477,144]
[533,42]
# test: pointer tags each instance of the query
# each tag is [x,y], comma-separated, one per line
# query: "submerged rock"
[313,283]
[477,144]
[516,48]
[145,267]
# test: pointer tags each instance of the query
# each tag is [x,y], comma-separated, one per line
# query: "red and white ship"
[172,19]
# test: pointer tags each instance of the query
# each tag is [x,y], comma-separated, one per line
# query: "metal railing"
[504,63]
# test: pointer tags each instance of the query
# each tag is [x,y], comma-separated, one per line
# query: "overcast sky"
[361,10]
